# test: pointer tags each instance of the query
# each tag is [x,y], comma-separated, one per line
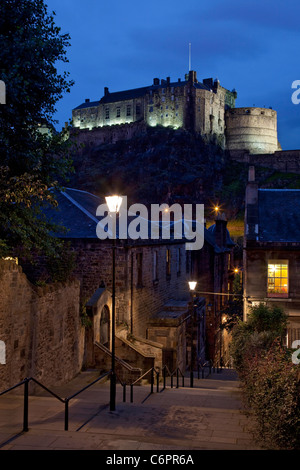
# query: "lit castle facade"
[204,107]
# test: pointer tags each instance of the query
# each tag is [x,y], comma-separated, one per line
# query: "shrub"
[271,395]
[269,379]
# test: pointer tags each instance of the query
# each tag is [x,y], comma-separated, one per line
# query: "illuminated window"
[278,278]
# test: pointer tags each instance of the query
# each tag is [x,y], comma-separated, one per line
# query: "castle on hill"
[206,108]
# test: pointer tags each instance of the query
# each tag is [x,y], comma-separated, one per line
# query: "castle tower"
[252,129]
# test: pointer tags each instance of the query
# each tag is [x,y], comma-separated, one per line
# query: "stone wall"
[181,104]
[281,160]
[40,327]
[252,129]
[136,298]
[107,134]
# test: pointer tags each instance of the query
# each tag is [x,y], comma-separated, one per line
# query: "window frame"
[283,280]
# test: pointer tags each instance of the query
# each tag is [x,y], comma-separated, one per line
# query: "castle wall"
[108,134]
[252,129]
[284,160]
[166,107]
[169,104]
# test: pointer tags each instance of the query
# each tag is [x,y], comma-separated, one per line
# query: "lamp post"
[113,204]
[192,286]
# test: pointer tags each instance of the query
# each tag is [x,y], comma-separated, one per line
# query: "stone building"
[212,268]
[272,251]
[188,104]
[153,305]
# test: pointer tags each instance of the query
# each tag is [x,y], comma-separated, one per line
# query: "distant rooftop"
[279,215]
[77,210]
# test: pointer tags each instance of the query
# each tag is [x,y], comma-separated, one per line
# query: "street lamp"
[192,286]
[113,204]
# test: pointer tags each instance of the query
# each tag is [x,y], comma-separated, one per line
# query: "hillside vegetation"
[172,166]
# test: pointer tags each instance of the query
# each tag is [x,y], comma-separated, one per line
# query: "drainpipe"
[131,295]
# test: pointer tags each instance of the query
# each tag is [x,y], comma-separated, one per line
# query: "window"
[168,263]
[139,259]
[128,110]
[106,113]
[118,112]
[138,109]
[155,266]
[278,278]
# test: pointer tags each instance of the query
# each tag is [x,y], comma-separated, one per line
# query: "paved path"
[207,417]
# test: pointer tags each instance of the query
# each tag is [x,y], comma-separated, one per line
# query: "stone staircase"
[206,417]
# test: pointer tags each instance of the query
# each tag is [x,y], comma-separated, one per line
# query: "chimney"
[251,203]
[168,80]
[193,76]
[106,92]
[155,81]
[208,82]
[87,100]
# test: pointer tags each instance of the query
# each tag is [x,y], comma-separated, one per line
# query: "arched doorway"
[105,326]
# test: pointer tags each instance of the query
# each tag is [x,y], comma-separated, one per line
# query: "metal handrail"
[152,370]
[177,371]
[66,401]
[201,366]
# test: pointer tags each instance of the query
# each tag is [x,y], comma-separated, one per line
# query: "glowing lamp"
[192,285]
[114,203]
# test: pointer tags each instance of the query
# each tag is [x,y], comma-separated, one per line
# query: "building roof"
[211,238]
[77,210]
[88,104]
[138,92]
[279,215]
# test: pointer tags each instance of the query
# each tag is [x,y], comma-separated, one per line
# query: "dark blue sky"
[252,46]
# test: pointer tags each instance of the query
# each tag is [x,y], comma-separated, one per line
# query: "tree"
[264,325]
[32,163]
[233,311]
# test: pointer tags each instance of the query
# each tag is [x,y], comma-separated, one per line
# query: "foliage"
[86,321]
[264,324]
[34,159]
[271,393]
[234,309]
[269,379]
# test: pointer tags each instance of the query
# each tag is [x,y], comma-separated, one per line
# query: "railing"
[201,366]
[151,371]
[66,401]
[166,371]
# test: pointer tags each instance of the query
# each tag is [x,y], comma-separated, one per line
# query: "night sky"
[252,46]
